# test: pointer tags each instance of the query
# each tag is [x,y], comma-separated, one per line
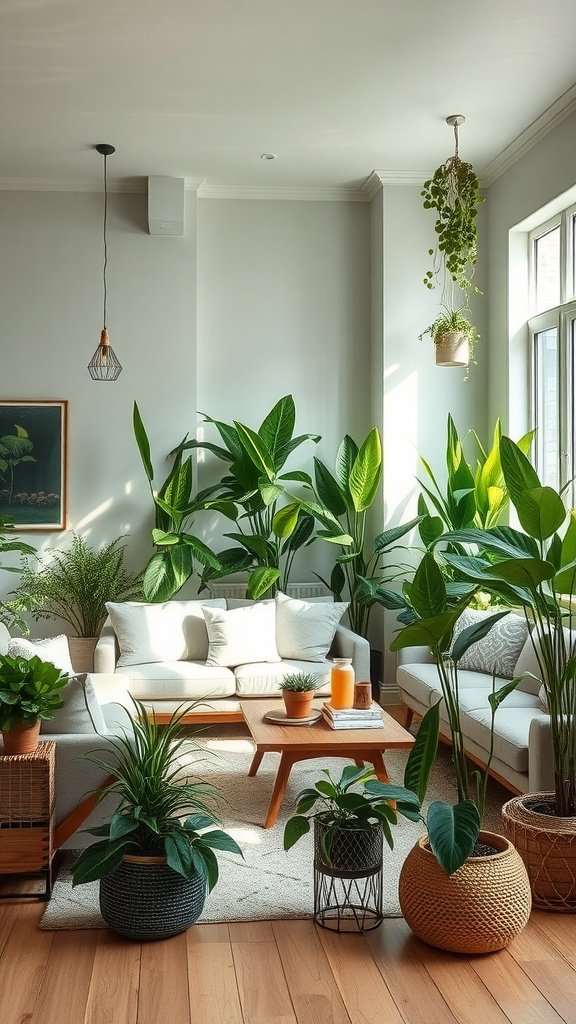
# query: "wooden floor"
[286,972]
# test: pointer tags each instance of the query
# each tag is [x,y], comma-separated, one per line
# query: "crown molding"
[553,116]
[49,185]
[283,192]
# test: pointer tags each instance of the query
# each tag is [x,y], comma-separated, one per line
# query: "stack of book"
[353,718]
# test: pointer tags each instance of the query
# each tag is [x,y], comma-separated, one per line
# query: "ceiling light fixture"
[268,156]
[104,364]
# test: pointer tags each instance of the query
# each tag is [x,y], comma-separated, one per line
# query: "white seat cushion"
[178,680]
[511,733]
[263,680]
[168,631]
[422,682]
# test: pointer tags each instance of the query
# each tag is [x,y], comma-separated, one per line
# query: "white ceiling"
[200,88]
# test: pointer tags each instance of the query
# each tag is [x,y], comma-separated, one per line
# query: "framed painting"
[33,464]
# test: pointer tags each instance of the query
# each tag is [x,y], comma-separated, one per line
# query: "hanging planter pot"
[452,349]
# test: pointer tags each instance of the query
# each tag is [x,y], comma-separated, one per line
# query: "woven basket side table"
[27,814]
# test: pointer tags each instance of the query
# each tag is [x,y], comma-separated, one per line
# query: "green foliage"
[74,584]
[15,449]
[29,690]
[161,812]
[355,801]
[535,569]
[301,682]
[362,572]
[271,525]
[8,615]
[453,192]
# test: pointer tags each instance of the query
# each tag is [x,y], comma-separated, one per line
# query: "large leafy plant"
[75,583]
[175,506]
[535,568]
[356,800]
[271,524]
[160,812]
[435,608]
[29,690]
[15,450]
[8,615]
[340,504]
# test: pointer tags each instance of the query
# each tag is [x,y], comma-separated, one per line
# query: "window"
[552,329]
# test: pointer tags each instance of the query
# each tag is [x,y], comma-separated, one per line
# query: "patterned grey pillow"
[499,651]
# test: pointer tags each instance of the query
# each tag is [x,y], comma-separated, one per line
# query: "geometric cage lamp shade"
[104,364]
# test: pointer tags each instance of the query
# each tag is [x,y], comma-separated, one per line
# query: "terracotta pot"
[82,652]
[547,845]
[21,739]
[452,349]
[478,909]
[298,704]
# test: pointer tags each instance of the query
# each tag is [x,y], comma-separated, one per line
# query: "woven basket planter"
[547,846]
[478,909]
[452,349]
[145,899]
[82,652]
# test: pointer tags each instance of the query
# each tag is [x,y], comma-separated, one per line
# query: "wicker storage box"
[27,811]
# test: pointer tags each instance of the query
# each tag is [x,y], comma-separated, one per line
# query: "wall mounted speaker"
[165,205]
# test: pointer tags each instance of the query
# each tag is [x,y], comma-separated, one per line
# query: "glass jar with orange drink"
[342,683]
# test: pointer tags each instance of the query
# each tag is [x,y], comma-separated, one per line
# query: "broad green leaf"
[98,860]
[426,632]
[519,474]
[521,572]
[252,543]
[389,791]
[277,427]
[295,828]
[283,452]
[229,435]
[388,537]
[389,599]
[344,539]
[182,565]
[219,840]
[328,489]
[159,583]
[201,551]
[541,511]
[302,534]
[178,854]
[121,825]
[452,832]
[255,449]
[565,582]
[500,540]
[428,589]
[423,754]
[345,458]
[366,472]
[337,581]
[162,539]
[179,486]
[261,580]
[298,476]
[473,634]
[142,442]
[270,492]
[285,519]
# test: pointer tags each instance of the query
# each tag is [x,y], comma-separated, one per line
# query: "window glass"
[547,269]
[546,406]
[573,246]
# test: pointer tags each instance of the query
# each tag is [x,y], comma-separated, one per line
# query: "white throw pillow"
[528,661]
[169,631]
[53,649]
[499,651]
[305,630]
[543,697]
[242,635]
[81,713]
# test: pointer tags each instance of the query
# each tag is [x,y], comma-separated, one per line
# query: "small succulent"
[301,682]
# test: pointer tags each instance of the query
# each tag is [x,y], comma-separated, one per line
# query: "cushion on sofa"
[178,680]
[528,660]
[305,629]
[510,735]
[421,681]
[53,649]
[168,631]
[260,680]
[242,635]
[499,650]
[81,712]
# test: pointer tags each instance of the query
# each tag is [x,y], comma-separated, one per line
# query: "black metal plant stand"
[348,892]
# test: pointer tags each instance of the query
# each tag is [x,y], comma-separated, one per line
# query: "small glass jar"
[342,683]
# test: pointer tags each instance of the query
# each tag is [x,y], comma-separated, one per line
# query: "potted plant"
[454,337]
[350,817]
[30,692]
[461,888]
[536,568]
[298,691]
[74,585]
[156,857]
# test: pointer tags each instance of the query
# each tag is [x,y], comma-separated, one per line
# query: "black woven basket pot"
[144,899]
[353,850]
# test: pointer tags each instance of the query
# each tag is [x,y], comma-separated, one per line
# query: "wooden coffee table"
[303,742]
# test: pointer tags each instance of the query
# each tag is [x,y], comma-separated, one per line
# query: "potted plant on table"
[461,888]
[74,585]
[156,857]
[536,568]
[298,691]
[30,692]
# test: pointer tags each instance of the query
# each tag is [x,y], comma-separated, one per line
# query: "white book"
[375,723]
[344,714]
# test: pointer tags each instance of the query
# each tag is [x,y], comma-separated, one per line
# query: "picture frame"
[33,463]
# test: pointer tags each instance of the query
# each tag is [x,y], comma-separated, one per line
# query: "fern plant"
[74,585]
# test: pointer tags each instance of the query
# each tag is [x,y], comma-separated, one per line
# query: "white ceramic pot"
[452,349]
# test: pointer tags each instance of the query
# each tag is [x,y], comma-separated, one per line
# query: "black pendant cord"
[105,239]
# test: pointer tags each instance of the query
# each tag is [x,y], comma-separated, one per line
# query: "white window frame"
[560,317]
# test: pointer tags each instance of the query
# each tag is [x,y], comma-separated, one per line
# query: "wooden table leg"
[284,769]
[379,767]
[256,762]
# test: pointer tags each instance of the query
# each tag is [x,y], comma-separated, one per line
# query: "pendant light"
[104,364]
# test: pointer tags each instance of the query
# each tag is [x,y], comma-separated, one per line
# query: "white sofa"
[163,685]
[522,745]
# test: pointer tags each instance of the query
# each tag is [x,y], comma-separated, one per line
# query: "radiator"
[301,590]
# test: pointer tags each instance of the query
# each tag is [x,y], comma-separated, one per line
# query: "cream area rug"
[268,884]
